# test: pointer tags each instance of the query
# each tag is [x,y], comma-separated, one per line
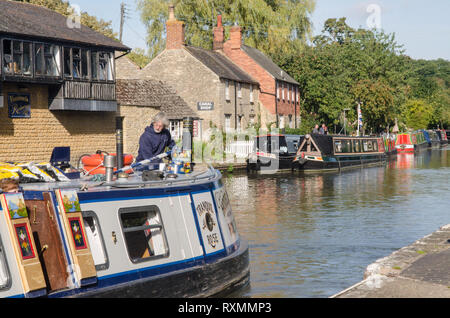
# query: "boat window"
[5,277]
[374,145]
[356,146]
[338,146]
[96,241]
[346,146]
[366,146]
[144,233]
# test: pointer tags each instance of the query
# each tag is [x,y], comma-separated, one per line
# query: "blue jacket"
[152,144]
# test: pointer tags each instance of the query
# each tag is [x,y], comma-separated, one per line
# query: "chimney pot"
[171,12]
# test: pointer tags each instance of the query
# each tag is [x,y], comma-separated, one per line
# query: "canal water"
[314,235]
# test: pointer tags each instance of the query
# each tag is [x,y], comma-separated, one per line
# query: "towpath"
[420,270]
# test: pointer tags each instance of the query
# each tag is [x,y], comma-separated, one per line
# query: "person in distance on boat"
[316,129]
[323,130]
[155,139]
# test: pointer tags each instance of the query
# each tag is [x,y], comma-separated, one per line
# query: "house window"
[105,65]
[47,60]
[251,93]
[175,129]
[227,90]
[96,241]
[291,122]
[296,94]
[94,65]
[17,57]
[281,122]
[5,277]
[278,91]
[289,93]
[144,233]
[282,91]
[227,122]
[80,64]
[239,127]
[239,90]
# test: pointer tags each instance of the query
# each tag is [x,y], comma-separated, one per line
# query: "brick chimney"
[235,37]
[175,31]
[219,35]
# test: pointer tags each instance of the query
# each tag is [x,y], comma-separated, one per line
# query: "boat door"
[48,242]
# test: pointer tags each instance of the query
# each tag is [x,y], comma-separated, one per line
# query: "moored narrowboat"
[273,152]
[411,142]
[142,235]
[432,139]
[442,137]
[389,145]
[327,152]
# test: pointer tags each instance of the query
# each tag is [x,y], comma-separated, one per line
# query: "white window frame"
[5,274]
[289,93]
[278,90]
[161,237]
[227,123]
[227,90]
[96,241]
[251,93]
[175,129]
[239,90]
[282,91]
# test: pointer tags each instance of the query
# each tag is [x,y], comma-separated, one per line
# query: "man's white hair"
[161,118]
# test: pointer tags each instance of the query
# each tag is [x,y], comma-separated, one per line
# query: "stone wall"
[33,139]
[137,118]
[194,82]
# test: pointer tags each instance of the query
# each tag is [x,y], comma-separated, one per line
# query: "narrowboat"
[389,145]
[411,142]
[146,234]
[273,152]
[447,132]
[327,152]
[442,137]
[432,139]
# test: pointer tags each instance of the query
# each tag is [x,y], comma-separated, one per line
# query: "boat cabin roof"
[135,181]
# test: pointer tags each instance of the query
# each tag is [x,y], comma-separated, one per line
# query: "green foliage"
[345,66]
[63,7]
[139,57]
[269,25]
[417,113]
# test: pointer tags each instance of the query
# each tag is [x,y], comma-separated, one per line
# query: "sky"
[422,27]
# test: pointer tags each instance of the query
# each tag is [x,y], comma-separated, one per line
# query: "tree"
[417,113]
[63,7]
[345,66]
[268,25]
[139,57]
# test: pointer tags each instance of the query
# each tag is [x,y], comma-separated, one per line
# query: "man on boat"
[155,139]
[316,129]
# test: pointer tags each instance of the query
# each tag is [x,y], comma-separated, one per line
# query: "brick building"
[57,85]
[140,100]
[220,92]
[279,92]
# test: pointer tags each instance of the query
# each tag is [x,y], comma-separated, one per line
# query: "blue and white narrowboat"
[132,236]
